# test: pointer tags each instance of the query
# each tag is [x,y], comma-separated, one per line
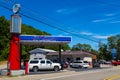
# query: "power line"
[56,27]
[50,25]
[5,7]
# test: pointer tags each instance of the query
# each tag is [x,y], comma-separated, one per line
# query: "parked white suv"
[79,64]
[43,64]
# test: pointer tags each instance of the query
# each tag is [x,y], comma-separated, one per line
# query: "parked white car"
[79,64]
[43,64]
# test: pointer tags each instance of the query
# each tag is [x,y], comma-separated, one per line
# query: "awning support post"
[20,55]
[60,54]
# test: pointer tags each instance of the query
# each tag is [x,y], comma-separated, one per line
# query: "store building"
[69,56]
[39,53]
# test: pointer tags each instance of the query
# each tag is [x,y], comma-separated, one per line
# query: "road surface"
[111,73]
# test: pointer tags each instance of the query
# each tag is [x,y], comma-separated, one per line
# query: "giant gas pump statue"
[15,30]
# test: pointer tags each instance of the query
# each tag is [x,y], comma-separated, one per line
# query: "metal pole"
[60,54]
[20,55]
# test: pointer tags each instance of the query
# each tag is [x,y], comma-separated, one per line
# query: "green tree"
[4,38]
[79,46]
[104,52]
[56,47]
[114,42]
[66,47]
[118,49]
[26,29]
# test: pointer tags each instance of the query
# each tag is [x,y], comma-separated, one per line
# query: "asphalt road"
[94,74]
[104,73]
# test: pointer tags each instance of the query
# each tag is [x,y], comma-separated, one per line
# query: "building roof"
[70,53]
[40,50]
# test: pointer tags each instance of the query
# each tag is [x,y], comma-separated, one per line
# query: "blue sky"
[92,19]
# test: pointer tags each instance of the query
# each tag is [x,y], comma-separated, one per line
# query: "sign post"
[15,30]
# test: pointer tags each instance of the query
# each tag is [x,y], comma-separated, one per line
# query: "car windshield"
[38,58]
[32,62]
[85,62]
[77,62]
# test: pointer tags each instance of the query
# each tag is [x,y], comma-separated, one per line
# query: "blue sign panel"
[44,38]
[114,53]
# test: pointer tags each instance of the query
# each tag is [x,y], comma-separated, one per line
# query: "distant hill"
[32,31]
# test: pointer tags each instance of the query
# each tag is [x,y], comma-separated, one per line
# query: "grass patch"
[16,75]
[3,62]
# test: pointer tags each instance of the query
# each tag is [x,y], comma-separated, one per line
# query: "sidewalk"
[42,76]
[39,76]
[3,66]
[105,65]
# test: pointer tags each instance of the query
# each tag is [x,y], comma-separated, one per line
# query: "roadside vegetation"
[3,62]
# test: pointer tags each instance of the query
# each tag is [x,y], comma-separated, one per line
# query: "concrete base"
[13,72]
[4,72]
[17,72]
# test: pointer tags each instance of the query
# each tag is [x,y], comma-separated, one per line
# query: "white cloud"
[97,36]
[111,14]
[61,10]
[97,21]
[94,35]
[115,22]
[67,11]
[100,37]
[86,33]
[102,20]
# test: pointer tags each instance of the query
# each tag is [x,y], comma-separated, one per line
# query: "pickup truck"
[43,64]
[115,63]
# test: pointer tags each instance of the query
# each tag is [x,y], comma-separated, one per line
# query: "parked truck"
[115,63]
[43,64]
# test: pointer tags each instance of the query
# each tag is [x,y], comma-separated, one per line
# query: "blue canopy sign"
[40,39]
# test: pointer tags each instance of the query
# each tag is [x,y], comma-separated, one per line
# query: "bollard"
[8,69]
[26,67]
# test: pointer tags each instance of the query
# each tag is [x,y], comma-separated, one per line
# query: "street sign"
[16,8]
[114,53]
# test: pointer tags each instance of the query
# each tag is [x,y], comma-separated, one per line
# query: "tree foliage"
[114,42]
[5,38]
[104,52]
[26,29]
[56,48]
[79,46]
[84,47]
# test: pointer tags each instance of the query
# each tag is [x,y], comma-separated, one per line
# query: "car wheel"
[85,67]
[56,68]
[35,69]
[71,66]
